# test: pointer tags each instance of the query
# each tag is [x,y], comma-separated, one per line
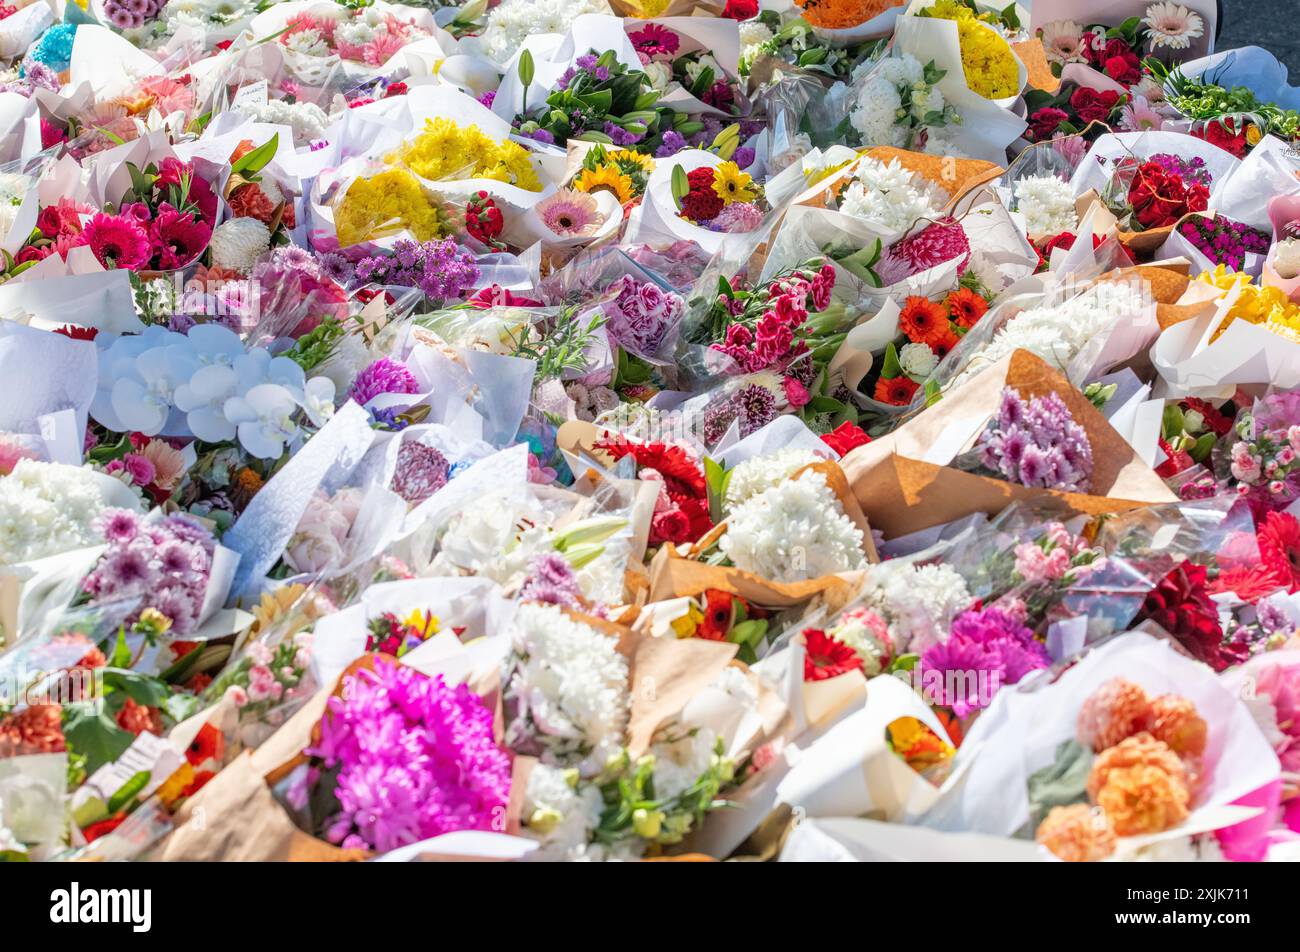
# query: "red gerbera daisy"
[896,391]
[1279,547]
[923,320]
[824,657]
[719,610]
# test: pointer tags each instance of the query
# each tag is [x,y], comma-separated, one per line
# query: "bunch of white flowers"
[1286,259]
[47,509]
[509,24]
[567,695]
[495,537]
[307,120]
[894,101]
[753,476]
[561,812]
[918,603]
[1047,204]
[889,198]
[793,531]
[237,243]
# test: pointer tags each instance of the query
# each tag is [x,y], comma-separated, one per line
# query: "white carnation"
[917,360]
[763,472]
[1047,204]
[567,690]
[794,531]
[494,538]
[1286,259]
[883,195]
[918,604]
[47,509]
[238,243]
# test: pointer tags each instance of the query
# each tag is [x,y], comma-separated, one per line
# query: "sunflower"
[732,185]
[609,178]
[633,163]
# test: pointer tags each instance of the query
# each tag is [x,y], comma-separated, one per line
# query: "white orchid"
[264,419]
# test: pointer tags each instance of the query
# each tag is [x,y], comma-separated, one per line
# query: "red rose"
[32,253]
[846,437]
[1046,121]
[740,9]
[1120,63]
[395,89]
[1092,105]
[1223,135]
[671,525]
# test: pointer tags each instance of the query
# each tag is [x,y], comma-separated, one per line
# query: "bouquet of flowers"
[315,37]
[1232,118]
[1154,194]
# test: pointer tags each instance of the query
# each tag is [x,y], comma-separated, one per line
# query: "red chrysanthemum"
[825,658]
[34,730]
[139,718]
[896,391]
[923,321]
[77,333]
[683,479]
[1182,606]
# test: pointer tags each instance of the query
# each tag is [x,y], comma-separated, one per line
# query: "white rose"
[312,552]
[659,75]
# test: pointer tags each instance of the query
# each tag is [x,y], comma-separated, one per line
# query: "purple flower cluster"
[1037,443]
[642,316]
[420,472]
[441,269]
[1191,170]
[620,136]
[385,375]
[164,563]
[415,759]
[1224,241]
[751,408]
[132,14]
[550,580]
[986,649]
[586,64]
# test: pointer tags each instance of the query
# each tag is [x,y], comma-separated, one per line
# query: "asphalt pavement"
[1272,24]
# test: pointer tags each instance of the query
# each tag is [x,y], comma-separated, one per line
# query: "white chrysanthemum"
[904,70]
[875,114]
[682,762]
[1047,204]
[1172,25]
[307,120]
[356,32]
[763,472]
[515,20]
[918,604]
[308,43]
[1057,332]
[917,360]
[753,33]
[794,531]
[46,509]
[883,195]
[237,243]
[567,690]
[560,811]
[494,538]
[1286,259]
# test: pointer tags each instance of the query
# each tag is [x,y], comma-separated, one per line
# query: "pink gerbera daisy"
[1139,116]
[177,237]
[570,213]
[117,242]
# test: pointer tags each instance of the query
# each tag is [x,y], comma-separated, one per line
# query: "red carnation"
[1045,121]
[845,438]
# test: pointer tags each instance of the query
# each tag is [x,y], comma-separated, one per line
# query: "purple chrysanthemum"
[986,648]
[550,580]
[385,375]
[420,472]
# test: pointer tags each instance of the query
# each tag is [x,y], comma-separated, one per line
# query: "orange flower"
[923,320]
[139,718]
[1140,750]
[1077,833]
[1116,710]
[966,307]
[718,614]
[840,14]
[1174,720]
[34,730]
[896,391]
[208,744]
[1143,799]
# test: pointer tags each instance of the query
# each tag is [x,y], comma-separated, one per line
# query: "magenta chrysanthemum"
[985,649]
[385,375]
[420,472]
[117,242]
[415,759]
[942,241]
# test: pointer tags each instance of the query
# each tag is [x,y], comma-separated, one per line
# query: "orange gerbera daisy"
[923,321]
[966,307]
[896,391]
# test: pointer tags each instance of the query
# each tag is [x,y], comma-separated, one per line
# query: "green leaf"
[715,480]
[140,688]
[1010,18]
[1061,783]
[891,368]
[1173,422]
[526,68]
[253,162]
[121,657]
[905,662]
[91,732]
[127,793]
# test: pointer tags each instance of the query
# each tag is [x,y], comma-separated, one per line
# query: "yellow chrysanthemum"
[384,204]
[445,150]
[986,58]
[732,185]
[1264,305]
[608,178]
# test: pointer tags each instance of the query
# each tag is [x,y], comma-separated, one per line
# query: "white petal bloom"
[794,531]
[47,509]
[1286,259]
[753,476]
[263,418]
[318,400]
[918,603]
[513,21]
[885,196]
[237,243]
[1047,204]
[561,811]
[917,359]
[203,399]
[1172,25]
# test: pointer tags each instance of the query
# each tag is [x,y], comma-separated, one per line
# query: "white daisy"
[1063,41]
[1172,25]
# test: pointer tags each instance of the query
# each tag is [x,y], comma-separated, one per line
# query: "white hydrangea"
[561,812]
[918,604]
[515,20]
[1286,259]
[47,509]
[307,120]
[794,531]
[566,690]
[917,360]
[884,196]
[238,243]
[753,476]
[1047,204]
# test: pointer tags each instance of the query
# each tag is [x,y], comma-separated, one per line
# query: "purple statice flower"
[164,564]
[622,137]
[41,76]
[415,758]
[642,315]
[1037,443]
[673,142]
[550,580]
[420,472]
[385,375]
[441,269]
[986,648]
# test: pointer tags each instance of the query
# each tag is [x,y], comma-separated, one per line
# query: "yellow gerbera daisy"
[609,178]
[732,185]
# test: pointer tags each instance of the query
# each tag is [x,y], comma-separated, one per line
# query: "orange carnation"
[1140,750]
[1077,833]
[1174,720]
[1143,799]
[1116,710]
